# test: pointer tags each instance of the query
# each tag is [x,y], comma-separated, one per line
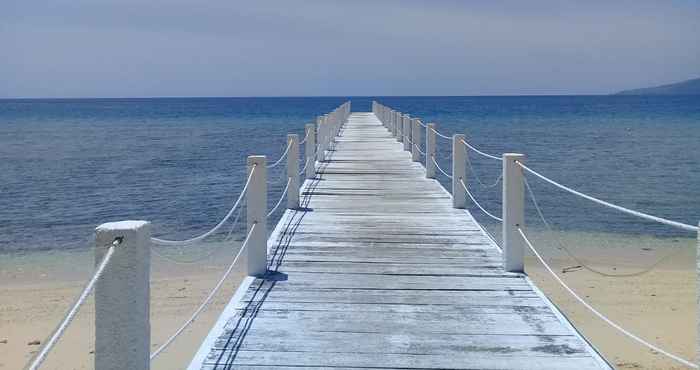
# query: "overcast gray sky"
[129,48]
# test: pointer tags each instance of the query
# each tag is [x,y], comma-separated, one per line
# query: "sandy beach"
[32,303]
[37,290]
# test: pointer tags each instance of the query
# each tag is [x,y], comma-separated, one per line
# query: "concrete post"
[310,151]
[430,151]
[122,297]
[256,199]
[293,171]
[406,131]
[417,139]
[321,153]
[399,127]
[513,212]
[459,169]
[394,129]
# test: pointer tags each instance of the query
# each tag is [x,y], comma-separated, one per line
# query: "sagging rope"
[610,205]
[284,154]
[215,228]
[58,333]
[305,165]
[418,149]
[478,179]
[206,301]
[305,137]
[440,169]
[600,315]
[461,181]
[480,152]
[215,249]
[573,256]
[284,194]
[439,134]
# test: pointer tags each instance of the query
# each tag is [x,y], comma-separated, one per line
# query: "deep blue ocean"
[68,165]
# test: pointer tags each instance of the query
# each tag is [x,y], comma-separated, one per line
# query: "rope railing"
[598,313]
[439,134]
[284,194]
[464,186]
[306,164]
[480,152]
[70,315]
[206,301]
[126,283]
[514,184]
[583,264]
[282,157]
[478,178]
[159,241]
[632,212]
[440,169]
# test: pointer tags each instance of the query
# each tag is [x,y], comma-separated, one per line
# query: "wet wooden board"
[379,271]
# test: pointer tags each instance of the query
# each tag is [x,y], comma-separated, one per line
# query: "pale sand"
[659,306]
[31,305]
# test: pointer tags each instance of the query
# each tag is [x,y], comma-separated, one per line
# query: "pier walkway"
[376,269]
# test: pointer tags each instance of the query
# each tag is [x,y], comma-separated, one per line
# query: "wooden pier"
[377,269]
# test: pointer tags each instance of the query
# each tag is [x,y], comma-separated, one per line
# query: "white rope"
[610,205]
[600,315]
[284,193]
[578,260]
[215,249]
[478,179]
[305,165]
[421,123]
[215,228]
[289,144]
[439,134]
[418,148]
[477,203]
[440,169]
[58,333]
[480,152]
[305,137]
[206,301]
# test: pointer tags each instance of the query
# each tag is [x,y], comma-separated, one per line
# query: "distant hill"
[689,87]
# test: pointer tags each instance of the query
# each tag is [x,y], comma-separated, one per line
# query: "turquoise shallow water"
[69,165]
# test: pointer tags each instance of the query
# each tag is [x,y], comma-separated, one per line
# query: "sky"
[147,48]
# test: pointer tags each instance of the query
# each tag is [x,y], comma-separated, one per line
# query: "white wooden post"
[394,126]
[416,138]
[256,199]
[293,171]
[513,212]
[320,154]
[399,127]
[122,297]
[310,151]
[406,132]
[459,169]
[430,151]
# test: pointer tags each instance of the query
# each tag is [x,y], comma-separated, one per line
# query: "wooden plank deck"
[379,271]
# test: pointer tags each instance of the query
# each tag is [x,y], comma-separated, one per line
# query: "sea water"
[68,165]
